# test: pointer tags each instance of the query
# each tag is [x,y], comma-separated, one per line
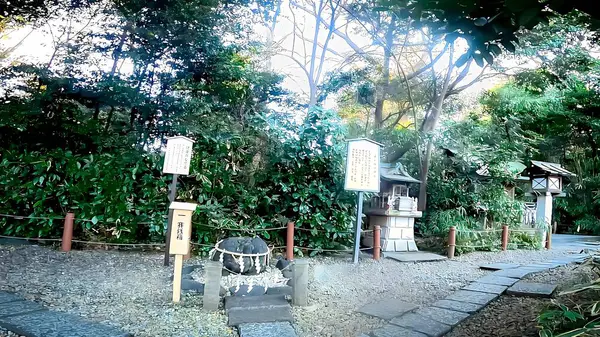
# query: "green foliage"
[580,318]
[117,192]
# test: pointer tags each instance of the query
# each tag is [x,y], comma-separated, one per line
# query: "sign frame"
[171,159]
[348,163]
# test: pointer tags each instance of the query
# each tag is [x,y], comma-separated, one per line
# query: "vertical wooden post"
[451,242]
[177,278]
[289,253]
[376,242]
[67,233]
[504,237]
[549,238]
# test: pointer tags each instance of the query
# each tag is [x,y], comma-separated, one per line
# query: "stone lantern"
[394,210]
[546,183]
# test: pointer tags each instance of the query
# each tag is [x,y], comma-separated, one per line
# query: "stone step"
[265,314]
[234,302]
[531,289]
[279,329]
[486,288]
[422,324]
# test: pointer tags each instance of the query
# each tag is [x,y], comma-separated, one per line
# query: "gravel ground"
[132,289]
[517,316]
[127,289]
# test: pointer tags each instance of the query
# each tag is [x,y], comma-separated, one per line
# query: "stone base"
[391,245]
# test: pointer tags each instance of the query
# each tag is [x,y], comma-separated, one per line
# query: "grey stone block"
[421,324]
[191,285]
[486,288]
[57,324]
[274,313]
[189,269]
[232,302]
[391,330]
[514,273]
[18,308]
[285,290]
[387,309]
[499,280]
[472,297]
[499,266]
[531,289]
[465,307]
[279,329]
[449,317]
[414,256]
[246,291]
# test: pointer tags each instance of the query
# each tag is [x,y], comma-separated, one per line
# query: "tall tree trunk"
[385,76]
[424,175]
[117,52]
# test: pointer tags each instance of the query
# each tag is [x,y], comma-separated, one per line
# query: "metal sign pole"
[359,204]
[172,196]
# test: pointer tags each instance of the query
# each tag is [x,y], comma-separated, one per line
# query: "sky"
[36,45]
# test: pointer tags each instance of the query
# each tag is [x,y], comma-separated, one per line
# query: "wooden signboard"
[362,166]
[178,155]
[180,240]
[362,175]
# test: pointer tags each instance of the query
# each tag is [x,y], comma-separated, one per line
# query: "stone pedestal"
[397,230]
[544,208]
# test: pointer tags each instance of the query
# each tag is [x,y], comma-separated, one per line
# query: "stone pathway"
[440,317]
[260,315]
[31,319]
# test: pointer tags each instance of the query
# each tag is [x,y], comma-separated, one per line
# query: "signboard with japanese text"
[178,155]
[182,227]
[362,166]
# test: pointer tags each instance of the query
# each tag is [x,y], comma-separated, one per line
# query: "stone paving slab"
[273,313]
[498,280]
[284,290]
[421,324]
[531,289]
[414,256]
[232,302]
[391,330]
[472,297]
[387,309]
[18,308]
[547,265]
[486,288]
[9,297]
[518,273]
[279,329]
[57,324]
[499,266]
[449,317]
[465,307]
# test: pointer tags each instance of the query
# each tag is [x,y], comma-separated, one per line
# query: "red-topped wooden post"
[376,242]
[451,242]
[504,237]
[67,233]
[289,253]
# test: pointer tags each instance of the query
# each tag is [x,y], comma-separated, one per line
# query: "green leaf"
[478,59]
[94,220]
[463,59]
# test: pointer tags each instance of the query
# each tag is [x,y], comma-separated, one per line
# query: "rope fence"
[493,243]
[67,238]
